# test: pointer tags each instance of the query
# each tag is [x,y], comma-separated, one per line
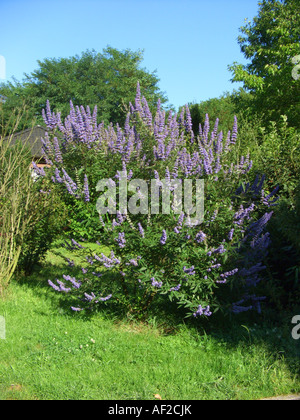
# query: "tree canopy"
[108,80]
[271,42]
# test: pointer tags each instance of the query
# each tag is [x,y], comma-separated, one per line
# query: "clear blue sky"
[189,42]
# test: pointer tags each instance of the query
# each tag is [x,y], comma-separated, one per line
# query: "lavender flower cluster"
[106,261]
[76,285]
[189,271]
[203,311]
[121,240]
[156,283]
[169,131]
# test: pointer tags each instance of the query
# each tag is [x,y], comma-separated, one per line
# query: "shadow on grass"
[270,329]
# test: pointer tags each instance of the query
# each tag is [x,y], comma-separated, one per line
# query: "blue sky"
[189,42]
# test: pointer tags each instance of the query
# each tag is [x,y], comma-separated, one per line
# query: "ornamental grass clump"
[161,253]
[16,195]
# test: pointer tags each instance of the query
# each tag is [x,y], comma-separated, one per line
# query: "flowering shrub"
[202,267]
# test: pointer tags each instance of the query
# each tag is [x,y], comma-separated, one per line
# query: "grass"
[50,353]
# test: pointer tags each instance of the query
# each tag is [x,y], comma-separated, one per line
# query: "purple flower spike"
[76,309]
[230,234]
[176,288]
[121,240]
[163,238]
[104,299]
[141,230]
[86,191]
[53,286]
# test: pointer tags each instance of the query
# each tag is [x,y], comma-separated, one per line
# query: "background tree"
[106,79]
[271,42]
[225,108]
[222,108]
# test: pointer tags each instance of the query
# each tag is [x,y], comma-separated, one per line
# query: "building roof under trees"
[32,138]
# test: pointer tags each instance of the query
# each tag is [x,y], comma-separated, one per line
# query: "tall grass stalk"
[16,193]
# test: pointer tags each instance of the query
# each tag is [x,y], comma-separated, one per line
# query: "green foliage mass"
[106,79]
[268,109]
[270,43]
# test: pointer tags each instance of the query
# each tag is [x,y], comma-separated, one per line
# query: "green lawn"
[51,353]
